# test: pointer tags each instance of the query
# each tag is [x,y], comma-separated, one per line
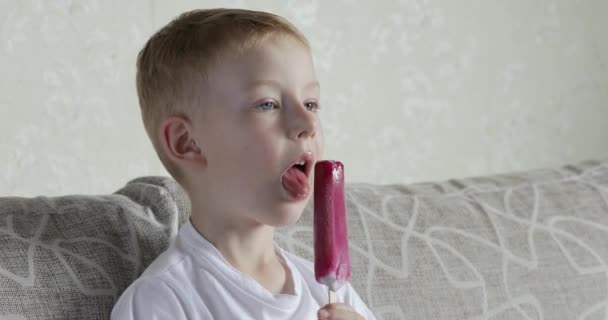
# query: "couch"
[526,245]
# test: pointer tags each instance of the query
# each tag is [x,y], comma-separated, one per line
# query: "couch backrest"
[70,257]
[530,245]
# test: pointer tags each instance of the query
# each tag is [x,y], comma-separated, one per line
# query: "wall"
[412,89]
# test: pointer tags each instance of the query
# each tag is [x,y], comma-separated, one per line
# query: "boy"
[229,99]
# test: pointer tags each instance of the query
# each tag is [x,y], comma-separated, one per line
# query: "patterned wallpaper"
[412,89]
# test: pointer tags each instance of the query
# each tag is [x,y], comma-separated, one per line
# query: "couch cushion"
[70,257]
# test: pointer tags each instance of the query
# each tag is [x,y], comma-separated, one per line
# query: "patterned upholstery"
[70,257]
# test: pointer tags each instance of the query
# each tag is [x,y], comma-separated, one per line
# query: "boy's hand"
[338,311]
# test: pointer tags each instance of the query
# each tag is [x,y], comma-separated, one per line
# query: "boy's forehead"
[262,63]
[272,50]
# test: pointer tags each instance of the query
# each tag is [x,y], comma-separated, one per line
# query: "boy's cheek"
[320,145]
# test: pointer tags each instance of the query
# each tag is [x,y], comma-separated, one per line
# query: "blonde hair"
[172,66]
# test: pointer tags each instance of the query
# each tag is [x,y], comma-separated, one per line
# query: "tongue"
[295,182]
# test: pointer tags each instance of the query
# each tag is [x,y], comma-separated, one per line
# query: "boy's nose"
[303,123]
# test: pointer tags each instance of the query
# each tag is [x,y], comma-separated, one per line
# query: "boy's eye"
[267,106]
[311,106]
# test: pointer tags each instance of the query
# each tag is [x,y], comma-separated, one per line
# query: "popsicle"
[332,262]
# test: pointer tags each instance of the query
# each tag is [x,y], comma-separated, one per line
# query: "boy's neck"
[247,247]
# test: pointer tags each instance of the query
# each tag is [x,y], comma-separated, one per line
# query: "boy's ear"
[177,138]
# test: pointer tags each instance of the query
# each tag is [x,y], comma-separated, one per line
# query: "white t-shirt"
[192,280]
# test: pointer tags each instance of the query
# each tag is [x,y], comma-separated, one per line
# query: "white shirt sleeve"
[150,299]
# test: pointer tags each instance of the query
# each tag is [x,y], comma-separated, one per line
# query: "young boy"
[229,99]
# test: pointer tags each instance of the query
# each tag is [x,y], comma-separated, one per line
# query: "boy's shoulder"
[161,290]
[152,297]
[176,263]
[166,263]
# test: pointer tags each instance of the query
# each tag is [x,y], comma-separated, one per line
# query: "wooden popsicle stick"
[332,296]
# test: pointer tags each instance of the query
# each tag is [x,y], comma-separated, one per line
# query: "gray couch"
[531,245]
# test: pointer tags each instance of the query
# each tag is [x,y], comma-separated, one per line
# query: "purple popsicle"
[332,262]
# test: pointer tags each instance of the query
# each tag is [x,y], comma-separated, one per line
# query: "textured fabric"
[70,257]
[531,245]
[193,281]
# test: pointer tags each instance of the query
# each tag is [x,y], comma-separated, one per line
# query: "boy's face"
[259,119]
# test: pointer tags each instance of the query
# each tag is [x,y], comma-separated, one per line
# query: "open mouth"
[295,178]
[303,167]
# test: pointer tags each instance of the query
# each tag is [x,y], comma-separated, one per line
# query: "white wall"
[412,89]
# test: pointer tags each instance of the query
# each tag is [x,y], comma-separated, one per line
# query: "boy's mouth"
[295,179]
[301,167]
